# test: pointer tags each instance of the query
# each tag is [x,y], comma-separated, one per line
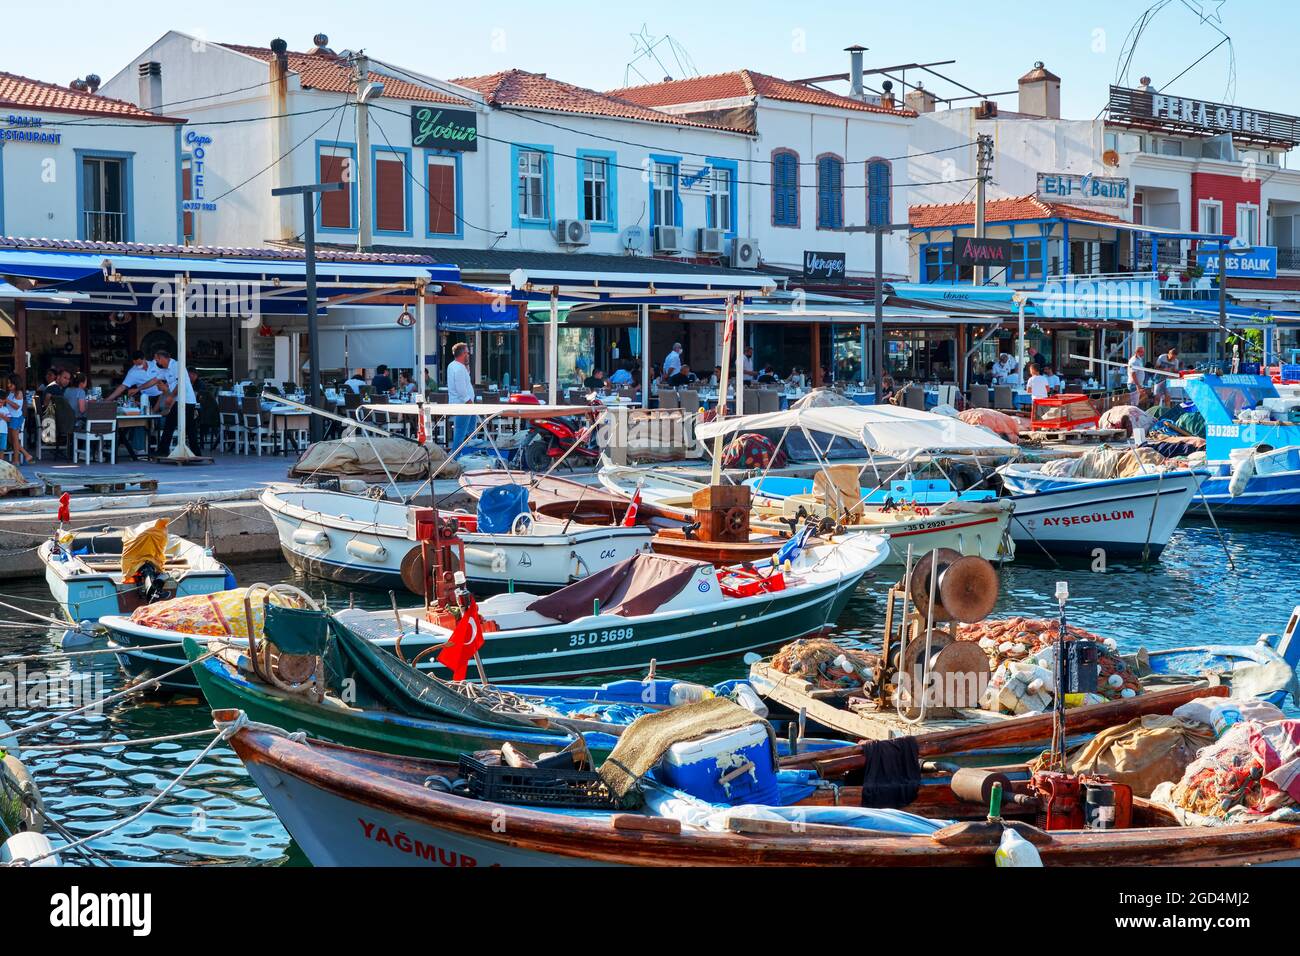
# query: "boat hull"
[1265,497]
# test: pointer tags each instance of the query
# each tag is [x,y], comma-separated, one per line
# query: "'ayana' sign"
[28,129]
[971,251]
[1083,189]
[433,127]
[823,266]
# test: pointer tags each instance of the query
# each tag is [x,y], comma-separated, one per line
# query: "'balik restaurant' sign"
[1184,114]
[433,127]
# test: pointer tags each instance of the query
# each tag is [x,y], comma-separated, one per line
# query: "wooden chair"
[97,430]
[979,396]
[258,431]
[231,424]
[1004,398]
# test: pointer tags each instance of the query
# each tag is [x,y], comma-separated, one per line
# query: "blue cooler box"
[698,766]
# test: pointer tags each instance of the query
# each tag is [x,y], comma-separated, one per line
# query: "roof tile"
[332,73]
[26,93]
[740,84]
[1013,209]
[538,91]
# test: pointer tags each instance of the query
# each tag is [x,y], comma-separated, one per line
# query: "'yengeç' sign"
[823,266]
[1257,263]
[1083,189]
[433,127]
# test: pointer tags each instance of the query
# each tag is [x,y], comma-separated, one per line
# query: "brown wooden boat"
[348,807]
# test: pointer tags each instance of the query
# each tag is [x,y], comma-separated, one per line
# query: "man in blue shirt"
[621,377]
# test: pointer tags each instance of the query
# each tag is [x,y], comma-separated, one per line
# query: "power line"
[279,159]
[196,99]
[228,122]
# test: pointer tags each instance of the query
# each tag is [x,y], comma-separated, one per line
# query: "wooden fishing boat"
[348,807]
[84,573]
[659,608]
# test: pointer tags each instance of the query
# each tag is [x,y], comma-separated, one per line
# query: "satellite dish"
[1110,158]
[633,238]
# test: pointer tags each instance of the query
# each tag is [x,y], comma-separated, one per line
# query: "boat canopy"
[888,429]
[634,587]
[485,410]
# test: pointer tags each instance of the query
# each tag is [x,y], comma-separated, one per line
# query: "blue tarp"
[476,318]
[499,507]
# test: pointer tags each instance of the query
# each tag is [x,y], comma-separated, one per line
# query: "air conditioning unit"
[573,232]
[712,242]
[744,253]
[668,239]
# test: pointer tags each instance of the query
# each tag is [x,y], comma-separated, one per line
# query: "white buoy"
[28,846]
[75,637]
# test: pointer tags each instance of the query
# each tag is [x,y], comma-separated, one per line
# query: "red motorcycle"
[553,438]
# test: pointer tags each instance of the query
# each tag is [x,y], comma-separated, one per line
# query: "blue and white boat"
[1252,446]
[917,492]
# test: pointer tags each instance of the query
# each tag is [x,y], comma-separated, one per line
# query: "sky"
[591,42]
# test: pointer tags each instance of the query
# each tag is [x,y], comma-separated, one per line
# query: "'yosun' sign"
[433,127]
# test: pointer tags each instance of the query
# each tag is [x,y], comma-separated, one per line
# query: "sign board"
[433,127]
[1083,189]
[21,128]
[1257,263]
[970,251]
[197,144]
[823,266]
[1186,115]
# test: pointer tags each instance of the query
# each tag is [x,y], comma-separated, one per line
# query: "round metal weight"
[968,589]
[295,668]
[413,573]
[919,582]
[960,672]
[912,664]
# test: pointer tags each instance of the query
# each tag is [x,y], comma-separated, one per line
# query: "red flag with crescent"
[465,640]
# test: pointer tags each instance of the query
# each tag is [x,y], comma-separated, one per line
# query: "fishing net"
[216,615]
[1034,639]
[751,450]
[1002,425]
[825,664]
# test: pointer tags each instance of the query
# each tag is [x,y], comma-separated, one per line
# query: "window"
[532,175]
[392,200]
[335,208]
[103,199]
[1248,223]
[1139,206]
[1123,143]
[785,188]
[664,187]
[443,185]
[1171,147]
[1026,260]
[830,192]
[722,198]
[880,181]
[1210,217]
[595,190]
[938,264]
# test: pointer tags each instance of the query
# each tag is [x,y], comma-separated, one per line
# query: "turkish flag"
[464,643]
[65,508]
[629,519]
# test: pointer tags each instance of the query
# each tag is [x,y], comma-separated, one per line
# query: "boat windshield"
[1242,392]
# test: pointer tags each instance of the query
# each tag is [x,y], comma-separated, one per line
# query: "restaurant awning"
[640,288]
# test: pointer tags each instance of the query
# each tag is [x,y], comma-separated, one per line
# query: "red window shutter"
[335,207]
[442,198]
[390,195]
[187,192]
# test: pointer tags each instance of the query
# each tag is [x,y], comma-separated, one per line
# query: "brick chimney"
[920,99]
[1040,92]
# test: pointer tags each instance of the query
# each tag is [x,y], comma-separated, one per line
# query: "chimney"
[1040,93]
[887,95]
[855,70]
[92,82]
[150,86]
[285,212]
[920,99]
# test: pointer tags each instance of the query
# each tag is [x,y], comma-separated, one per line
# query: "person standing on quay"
[460,391]
[1137,375]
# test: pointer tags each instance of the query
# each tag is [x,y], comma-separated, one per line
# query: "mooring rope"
[105,744]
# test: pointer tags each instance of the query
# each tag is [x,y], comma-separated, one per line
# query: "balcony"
[1288,257]
[104,226]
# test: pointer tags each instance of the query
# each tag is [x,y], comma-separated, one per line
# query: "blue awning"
[476,318]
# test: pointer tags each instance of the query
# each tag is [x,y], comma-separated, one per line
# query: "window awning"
[636,288]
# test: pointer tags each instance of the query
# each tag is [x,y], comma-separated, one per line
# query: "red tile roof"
[1017,208]
[282,252]
[744,84]
[24,93]
[332,73]
[538,91]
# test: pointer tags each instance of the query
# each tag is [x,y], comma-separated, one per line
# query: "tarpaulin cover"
[499,507]
[216,615]
[639,585]
[374,677]
[144,544]
[1145,752]
[369,456]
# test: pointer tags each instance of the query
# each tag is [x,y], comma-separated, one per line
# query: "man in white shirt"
[357,380]
[749,364]
[164,382]
[673,362]
[1137,375]
[1053,380]
[1003,368]
[1038,385]
[1165,362]
[460,391]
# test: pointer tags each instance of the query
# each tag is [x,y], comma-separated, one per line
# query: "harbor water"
[215,815]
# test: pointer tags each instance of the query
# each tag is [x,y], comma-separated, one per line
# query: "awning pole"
[645,354]
[740,359]
[715,473]
[182,452]
[553,356]
[419,340]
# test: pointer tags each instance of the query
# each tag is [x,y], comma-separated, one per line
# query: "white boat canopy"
[888,429]
[485,410]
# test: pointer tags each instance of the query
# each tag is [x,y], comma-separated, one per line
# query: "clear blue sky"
[589,42]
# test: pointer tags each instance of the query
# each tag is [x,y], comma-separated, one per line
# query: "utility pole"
[878,295]
[315,398]
[366,91]
[983,173]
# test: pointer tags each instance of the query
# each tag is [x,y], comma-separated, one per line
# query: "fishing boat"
[647,607]
[1132,516]
[364,541]
[84,571]
[349,807]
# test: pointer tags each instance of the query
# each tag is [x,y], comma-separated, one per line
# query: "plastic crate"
[536,786]
[1070,410]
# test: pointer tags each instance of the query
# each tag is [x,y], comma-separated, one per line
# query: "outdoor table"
[125,422]
[287,422]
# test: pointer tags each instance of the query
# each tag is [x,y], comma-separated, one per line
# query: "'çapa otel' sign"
[433,127]
[971,251]
[823,266]
[1083,189]
[1183,114]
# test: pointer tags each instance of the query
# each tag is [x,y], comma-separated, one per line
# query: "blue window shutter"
[785,190]
[879,199]
[830,192]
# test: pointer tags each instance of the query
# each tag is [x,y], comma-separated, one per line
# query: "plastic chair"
[258,433]
[979,396]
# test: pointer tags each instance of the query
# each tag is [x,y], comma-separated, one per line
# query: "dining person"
[1054,383]
[15,399]
[748,367]
[405,385]
[382,383]
[768,376]
[797,378]
[621,376]
[357,382]
[460,391]
[76,395]
[673,361]
[683,377]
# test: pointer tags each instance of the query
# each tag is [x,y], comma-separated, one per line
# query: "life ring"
[523,523]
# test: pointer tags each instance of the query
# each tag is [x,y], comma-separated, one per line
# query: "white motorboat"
[362,540]
[84,572]
[1132,516]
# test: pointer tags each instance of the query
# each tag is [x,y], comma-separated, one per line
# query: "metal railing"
[105,226]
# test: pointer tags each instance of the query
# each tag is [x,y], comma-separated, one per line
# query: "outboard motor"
[150,582]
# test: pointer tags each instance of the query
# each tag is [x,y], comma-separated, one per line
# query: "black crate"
[536,786]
